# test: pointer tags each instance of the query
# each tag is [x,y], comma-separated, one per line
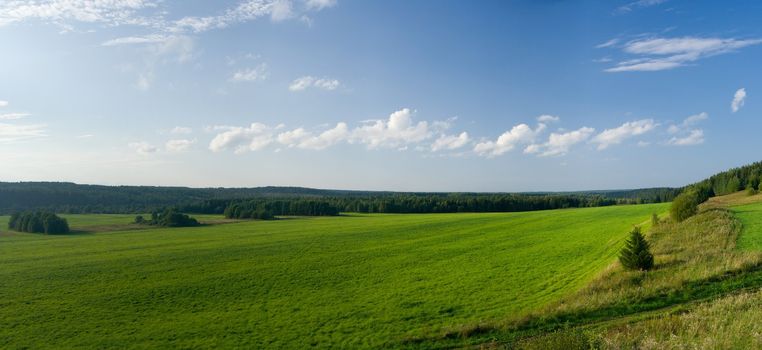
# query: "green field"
[351,281]
[751,218]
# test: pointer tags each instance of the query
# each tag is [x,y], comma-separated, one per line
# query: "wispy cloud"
[694,137]
[629,7]
[306,82]
[143,147]
[179,145]
[258,73]
[181,130]
[686,133]
[3,103]
[13,116]
[739,98]
[10,133]
[655,54]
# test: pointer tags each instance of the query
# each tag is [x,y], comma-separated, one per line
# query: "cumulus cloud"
[179,145]
[10,133]
[518,135]
[450,142]
[306,82]
[559,144]
[242,139]
[398,131]
[738,100]
[694,137]
[303,139]
[627,130]
[143,147]
[655,54]
[13,116]
[257,73]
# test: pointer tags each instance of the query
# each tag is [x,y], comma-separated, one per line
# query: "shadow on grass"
[736,281]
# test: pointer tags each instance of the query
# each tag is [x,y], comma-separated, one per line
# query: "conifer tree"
[636,254]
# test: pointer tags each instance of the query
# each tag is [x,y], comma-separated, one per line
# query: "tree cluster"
[168,218]
[38,222]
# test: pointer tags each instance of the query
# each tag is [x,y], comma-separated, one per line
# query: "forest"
[72,198]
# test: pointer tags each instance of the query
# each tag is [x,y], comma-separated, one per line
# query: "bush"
[38,222]
[655,219]
[684,206]
[168,218]
[636,254]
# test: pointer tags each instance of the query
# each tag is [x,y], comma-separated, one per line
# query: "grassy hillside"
[703,294]
[353,281]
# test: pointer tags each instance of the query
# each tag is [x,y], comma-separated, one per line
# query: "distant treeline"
[251,202]
[38,222]
[733,180]
[416,203]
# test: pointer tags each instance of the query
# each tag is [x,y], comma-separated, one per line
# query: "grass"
[358,281]
[751,218]
[704,293]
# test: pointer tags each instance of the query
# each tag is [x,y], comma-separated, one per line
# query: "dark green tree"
[636,254]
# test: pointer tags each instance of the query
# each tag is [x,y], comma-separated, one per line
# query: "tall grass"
[697,296]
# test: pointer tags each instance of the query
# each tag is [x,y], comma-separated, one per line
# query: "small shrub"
[684,206]
[655,219]
[636,254]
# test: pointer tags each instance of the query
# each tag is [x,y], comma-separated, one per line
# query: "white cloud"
[655,54]
[320,4]
[181,130]
[253,138]
[257,73]
[450,142]
[179,145]
[13,116]
[694,137]
[685,133]
[10,133]
[608,43]
[3,103]
[143,147]
[398,131]
[738,100]
[546,118]
[518,135]
[112,12]
[281,10]
[305,82]
[301,138]
[131,40]
[559,144]
[638,4]
[615,136]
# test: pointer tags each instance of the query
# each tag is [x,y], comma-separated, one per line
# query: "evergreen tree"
[636,254]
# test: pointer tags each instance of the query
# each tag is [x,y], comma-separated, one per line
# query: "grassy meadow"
[355,281]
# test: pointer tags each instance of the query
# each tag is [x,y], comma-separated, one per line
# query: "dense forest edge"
[70,198]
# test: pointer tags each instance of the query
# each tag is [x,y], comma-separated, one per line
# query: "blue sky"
[379,95]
